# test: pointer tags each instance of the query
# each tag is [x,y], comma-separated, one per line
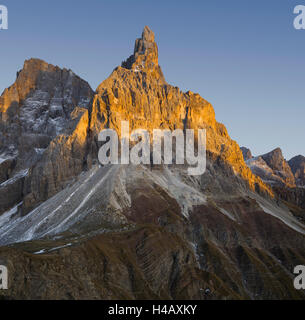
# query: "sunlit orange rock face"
[25,83]
[52,109]
[137,92]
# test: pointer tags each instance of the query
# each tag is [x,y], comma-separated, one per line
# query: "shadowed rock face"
[44,105]
[81,231]
[297,165]
[246,153]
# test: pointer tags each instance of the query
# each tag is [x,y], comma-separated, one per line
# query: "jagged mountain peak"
[148,34]
[146,43]
[45,101]
[35,62]
[41,64]
[137,92]
[272,168]
[33,66]
[297,165]
[246,153]
[145,55]
[274,158]
[37,74]
[276,151]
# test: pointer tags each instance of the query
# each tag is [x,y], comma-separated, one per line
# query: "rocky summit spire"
[145,56]
[147,42]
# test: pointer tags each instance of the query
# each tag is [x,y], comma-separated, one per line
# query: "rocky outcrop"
[246,153]
[297,165]
[41,107]
[284,177]
[137,92]
[279,165]
[272,168]
[145,56]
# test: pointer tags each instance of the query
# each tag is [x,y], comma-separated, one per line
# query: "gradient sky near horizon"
[243,56]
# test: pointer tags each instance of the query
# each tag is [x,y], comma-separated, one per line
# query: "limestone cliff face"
[58,89]
[276,162]
[297,165]
[44,106]
[272,168]
[285,178]
[246,153]
[137,92]
[61,163]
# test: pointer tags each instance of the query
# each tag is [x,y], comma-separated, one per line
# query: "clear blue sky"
[244,56]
